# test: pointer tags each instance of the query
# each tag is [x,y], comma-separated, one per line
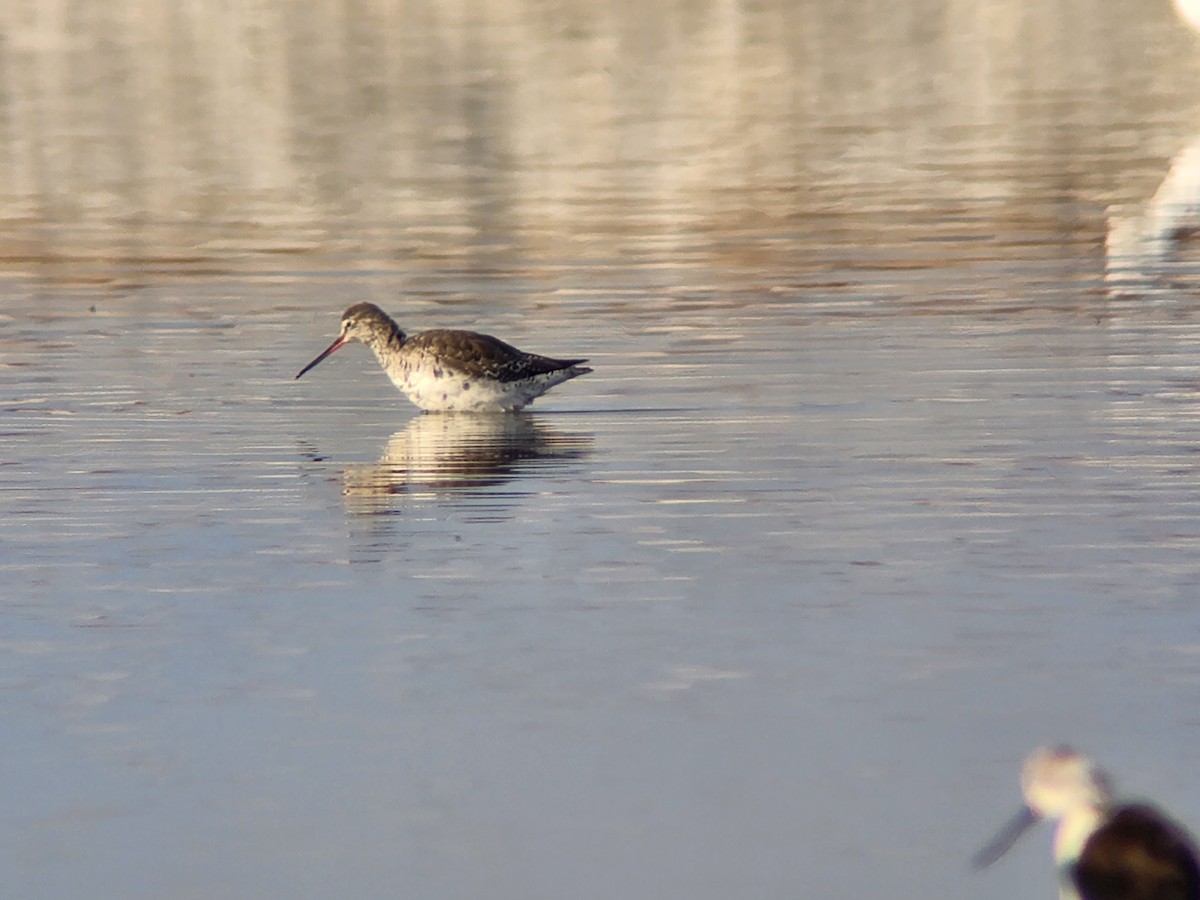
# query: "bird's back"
[483,356]
[1138,854]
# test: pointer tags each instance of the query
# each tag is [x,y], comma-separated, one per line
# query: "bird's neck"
[386,342]
[1074,829]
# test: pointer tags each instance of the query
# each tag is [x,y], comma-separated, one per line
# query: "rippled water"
[887,470]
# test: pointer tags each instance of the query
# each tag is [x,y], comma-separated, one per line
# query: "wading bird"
[444,370]
[1102,851]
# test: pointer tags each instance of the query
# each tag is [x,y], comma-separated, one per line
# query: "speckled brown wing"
[483,356]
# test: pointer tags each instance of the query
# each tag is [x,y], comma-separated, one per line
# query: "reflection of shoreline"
[262,159]
[439,455]
[1139,245]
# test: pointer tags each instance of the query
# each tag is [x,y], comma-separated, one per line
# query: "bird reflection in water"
[1141,242]
[456,454]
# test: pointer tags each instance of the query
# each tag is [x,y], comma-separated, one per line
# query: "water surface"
[886,473]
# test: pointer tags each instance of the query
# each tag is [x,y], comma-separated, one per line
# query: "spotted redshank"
[1102,851]
[443,370]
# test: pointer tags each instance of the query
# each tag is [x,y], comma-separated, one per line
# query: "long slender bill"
[338,343]
[1008,835]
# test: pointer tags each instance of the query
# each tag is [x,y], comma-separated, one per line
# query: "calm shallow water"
[886,473]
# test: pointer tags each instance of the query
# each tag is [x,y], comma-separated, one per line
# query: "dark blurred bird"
[1102,851]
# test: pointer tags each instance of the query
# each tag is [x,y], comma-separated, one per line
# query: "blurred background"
[140,139]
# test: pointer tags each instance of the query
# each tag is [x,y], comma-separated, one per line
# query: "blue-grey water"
[888,471]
